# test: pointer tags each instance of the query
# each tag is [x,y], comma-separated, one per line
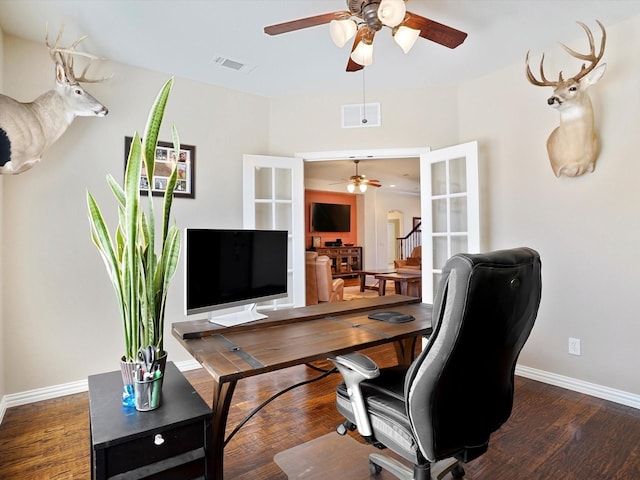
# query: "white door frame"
[374,154]
[425,155]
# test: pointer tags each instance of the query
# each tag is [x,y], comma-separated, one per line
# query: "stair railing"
[406,244]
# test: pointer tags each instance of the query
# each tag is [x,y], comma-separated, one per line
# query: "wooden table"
[405,283]
[293,337]
[363,275]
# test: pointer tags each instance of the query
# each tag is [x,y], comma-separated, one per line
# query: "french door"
[273,199]
[450,209]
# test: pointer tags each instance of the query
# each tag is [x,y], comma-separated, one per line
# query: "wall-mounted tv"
[330,217]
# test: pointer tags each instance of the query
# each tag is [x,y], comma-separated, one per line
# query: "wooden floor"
[552,433]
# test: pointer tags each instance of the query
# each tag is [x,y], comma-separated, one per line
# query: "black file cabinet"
[167,443]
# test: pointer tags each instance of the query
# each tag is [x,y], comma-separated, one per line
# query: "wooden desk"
[293,337]
[405,283]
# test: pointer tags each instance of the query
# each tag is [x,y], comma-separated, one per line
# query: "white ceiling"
[183,38]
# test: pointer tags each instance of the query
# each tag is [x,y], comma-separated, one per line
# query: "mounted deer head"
[573,146]
[28,129]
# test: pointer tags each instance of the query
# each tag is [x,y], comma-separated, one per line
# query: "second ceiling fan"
[365,18]
[361,182]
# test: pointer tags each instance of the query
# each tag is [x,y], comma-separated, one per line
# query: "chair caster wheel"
[374,469]
[344,426]
[458,471]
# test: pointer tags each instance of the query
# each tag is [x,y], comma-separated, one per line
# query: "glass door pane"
[449,180]
[272,199]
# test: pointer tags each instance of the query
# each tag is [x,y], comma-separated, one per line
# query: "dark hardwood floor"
[552,432]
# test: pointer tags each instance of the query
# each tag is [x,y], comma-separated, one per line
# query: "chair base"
[402,472]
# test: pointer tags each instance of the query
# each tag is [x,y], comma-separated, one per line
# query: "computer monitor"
[230,268]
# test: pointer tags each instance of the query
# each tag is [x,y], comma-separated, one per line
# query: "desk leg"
[382,286]
[221,402]
[404,350]
[362,281]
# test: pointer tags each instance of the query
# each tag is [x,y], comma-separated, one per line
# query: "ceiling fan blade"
[434,31]
[351,65]
[307,22]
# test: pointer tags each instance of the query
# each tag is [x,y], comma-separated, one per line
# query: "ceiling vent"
[361,115]
[233,64]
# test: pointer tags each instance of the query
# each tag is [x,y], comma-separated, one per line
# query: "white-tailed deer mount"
[573,146]
[28,129]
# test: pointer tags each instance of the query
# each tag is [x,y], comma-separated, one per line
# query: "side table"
[170,442]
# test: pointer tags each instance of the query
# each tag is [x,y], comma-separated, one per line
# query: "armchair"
[320,285]
[329,289]
[412,262]
[311,284]
[441,410]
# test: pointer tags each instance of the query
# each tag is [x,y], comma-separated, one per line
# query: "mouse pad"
[393,317]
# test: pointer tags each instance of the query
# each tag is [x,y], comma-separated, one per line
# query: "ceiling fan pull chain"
[364,103]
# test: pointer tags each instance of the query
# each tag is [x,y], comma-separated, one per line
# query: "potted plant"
[140,274]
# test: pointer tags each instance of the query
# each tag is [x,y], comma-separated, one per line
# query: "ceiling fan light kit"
[363,54]
[360,181]
[391,12]
[366,17]
[405,37]
[342,31]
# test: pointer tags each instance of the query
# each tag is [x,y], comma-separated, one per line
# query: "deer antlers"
[65,56]
[584,70]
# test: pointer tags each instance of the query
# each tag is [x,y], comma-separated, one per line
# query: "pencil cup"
[147,393]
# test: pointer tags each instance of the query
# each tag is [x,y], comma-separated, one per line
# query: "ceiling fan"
[360,181]
[365,18]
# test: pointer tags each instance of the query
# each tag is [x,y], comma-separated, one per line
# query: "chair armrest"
[359,363]
[337,292]
[356,367]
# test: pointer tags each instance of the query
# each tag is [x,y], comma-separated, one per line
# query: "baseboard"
[598,391]
[55,391]
[3,407]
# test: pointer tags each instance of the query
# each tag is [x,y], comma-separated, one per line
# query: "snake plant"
[140,276]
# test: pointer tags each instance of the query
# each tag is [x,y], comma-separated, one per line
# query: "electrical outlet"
[574,346]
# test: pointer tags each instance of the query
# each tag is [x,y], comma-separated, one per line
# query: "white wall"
[409,118]
[58,300]
[2,358]
[586,229]
[60,310]
[381,202]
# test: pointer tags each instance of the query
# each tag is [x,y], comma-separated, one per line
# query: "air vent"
[233,64]
[361,115]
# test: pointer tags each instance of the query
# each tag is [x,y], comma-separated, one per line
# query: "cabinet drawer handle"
[158,440]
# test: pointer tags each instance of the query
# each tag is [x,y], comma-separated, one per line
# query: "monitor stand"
[250,314]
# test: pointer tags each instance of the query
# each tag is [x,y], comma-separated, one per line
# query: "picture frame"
[165,156]
[316,242]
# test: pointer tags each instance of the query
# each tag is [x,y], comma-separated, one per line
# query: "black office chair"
[441,410]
